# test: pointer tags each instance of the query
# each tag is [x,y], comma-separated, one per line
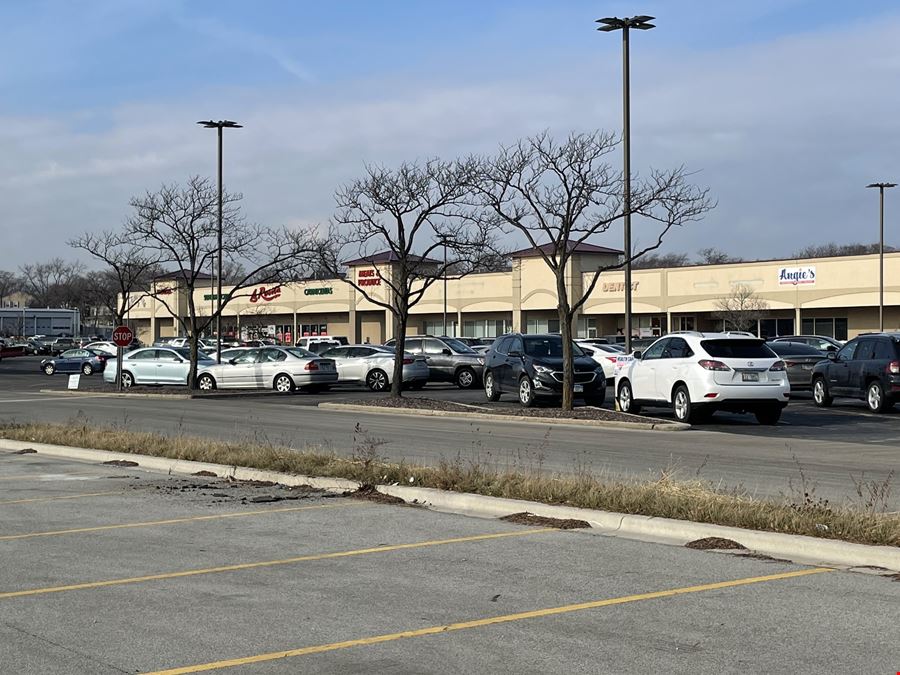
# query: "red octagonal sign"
[122,336]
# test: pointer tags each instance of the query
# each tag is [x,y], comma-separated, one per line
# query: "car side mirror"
[446,352]
[830,348]
[514,352]
[637,354]
[832,356]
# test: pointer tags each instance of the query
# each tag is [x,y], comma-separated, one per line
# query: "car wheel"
[768,416]
[875,397]
[465,378]
[127,380]
[490,387]
[377,380]
[526,392]
[283,384]
[49,369]
[626,399]
[87,369]
[681,405]
[820,393]
[206,382]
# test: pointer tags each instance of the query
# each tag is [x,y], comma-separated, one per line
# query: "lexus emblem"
[749,364]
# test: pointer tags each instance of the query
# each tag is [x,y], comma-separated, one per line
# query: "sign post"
[121,337]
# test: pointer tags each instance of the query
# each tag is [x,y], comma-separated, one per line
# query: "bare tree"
[52,283]
[177,225]
[9,284]
[741,309]
[832,249]
[658,260]
[408,215]
[130,268]
[560,195]
[713,256]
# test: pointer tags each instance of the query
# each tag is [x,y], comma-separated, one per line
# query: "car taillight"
[789,364]
[710,364]
[778,365]
[406,362]
[312,365]
[612,359]
[893,368]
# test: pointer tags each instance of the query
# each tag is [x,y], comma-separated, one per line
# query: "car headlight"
[543,370]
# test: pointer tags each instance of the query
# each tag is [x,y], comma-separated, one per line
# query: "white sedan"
[103,346]
[605,355]
[281,368]
[154,365]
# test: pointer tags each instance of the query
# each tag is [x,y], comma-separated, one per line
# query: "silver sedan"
[373,365]
[281,368]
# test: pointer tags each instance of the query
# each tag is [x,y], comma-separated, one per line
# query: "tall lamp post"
[610,24]
[881,187]
[221,124]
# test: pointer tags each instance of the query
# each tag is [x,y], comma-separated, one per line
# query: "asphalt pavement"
[822,451]
[112,569]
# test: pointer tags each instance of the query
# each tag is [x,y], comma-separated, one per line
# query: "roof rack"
[695,333]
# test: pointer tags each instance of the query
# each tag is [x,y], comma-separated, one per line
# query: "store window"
[834,328]
[774,327]
[536,326]
[587,327]
[313,329]
[436,327]
[686,323]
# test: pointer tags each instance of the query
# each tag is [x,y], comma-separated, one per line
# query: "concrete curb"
[510,419]
[806,550]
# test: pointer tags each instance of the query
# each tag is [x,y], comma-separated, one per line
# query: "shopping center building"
[836,297]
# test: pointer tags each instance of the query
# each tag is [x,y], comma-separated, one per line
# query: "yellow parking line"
[271,563]
[480,623]
[172,521]
[53,499]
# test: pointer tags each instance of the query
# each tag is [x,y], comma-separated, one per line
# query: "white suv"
[699,373]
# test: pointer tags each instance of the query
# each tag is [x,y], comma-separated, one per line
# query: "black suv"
[449,360]
[532,365]
[867,367]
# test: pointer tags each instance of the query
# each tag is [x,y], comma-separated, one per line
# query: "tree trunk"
[400,346]
[192,374]
[565,330]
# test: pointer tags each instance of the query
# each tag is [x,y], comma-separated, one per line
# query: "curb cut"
[797,548]
[511,419]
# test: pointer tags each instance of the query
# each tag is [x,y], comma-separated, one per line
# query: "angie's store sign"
[797,276]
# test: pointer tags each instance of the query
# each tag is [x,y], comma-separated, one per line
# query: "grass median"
[863,517]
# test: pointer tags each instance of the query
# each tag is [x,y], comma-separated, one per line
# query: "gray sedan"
[373,365]
[799,360]
[154,365]
[281,368]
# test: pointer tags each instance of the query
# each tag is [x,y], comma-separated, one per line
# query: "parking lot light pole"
[881,187]
[444,241]
[608,25]
[221,124]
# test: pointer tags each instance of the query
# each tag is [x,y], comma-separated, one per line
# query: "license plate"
[579,388]
[325,366]
[750,377]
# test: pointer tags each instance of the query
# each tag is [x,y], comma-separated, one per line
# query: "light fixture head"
[881,185]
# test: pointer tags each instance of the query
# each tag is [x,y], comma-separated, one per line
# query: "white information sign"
[74,380]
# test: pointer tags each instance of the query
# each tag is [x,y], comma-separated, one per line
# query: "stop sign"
[122,336]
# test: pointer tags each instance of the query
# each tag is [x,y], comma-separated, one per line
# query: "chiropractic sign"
[797,276]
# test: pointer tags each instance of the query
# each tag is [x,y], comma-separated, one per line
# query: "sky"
[785,109]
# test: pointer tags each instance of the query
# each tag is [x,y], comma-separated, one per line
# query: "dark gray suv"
[448,359]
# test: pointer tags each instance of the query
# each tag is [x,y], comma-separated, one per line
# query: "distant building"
[28,321]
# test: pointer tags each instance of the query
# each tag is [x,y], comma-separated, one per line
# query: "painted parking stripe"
[60,498]
[174,521]
[481,623]
[53,476]
[51,398]
[272,563]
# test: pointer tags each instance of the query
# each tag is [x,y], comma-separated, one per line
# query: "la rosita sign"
[797,276]
[262,293]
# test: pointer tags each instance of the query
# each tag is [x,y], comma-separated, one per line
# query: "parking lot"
[116,569]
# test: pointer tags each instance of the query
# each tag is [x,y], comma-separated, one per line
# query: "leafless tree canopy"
[177,225]
[713,256]
[659,260]
[566,193]
[52,283]
[9,284]
[832,249]
[411,213]
[741,309]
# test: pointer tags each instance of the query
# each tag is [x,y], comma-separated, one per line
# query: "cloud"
[786,133]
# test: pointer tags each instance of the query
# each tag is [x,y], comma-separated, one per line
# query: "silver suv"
[448,359]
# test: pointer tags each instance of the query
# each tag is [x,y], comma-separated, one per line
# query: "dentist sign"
[797,276]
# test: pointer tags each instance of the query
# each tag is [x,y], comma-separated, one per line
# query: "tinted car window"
[361,352]
[414,345]
[885,351]
[337,353]
[272,355]
[459,347]
[502,346]
[300,353]
[433,346]
[143,354]
[848,351]
[248,356]
[678,349]
[737,349]
[794,349]
[655,351]
[551,346]
[515,345]
[865,351]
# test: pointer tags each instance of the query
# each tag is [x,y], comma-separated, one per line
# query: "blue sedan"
[155,365]
[85,361]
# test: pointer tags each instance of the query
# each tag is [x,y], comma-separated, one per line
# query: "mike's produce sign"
[797,276]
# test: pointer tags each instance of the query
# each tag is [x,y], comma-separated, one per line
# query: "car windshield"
[458,347]
[543,347]
[794,349]
[300,353]
[737,349]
